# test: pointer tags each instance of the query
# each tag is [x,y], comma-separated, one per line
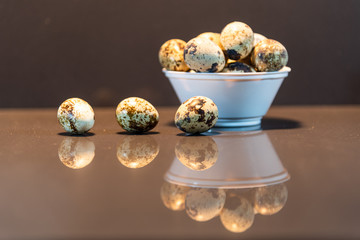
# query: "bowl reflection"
[137,151]
[76,153]
[235,207]
[242,160]
[197,153]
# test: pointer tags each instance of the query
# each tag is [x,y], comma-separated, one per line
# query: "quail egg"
[196,115]
[203,204]
[237,39]
[269,55]
[203,55]
[137,115]
[270,199]
[197,153]
[237,215]
[76,153]
[238,67]
[171,55]
[173,196]
[137,151]
[258,38]
[76,116]
[214,37]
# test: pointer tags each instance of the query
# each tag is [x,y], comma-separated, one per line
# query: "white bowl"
[242,98]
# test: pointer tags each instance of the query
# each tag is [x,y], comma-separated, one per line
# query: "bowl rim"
[230,76]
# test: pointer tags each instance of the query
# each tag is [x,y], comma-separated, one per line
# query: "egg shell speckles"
[197,153]
[196,115]
[203,204]
[237,39]
[269,55]
[237,215]
[135,114]
[203,55]
[137,151]
[173,196]
[171,55]
[238,67]
[76,116]
[76,153]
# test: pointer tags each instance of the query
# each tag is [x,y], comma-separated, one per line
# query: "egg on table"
[237,39]
[137,151]
[76,153]
[238,67]
[171,55]
[203,204]
[173,196]
[76,116]
[136,115]
[196,115]
[269,55]
[203,55]
[197,153]
[237,215]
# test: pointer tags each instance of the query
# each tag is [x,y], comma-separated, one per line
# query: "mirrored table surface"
[294,177]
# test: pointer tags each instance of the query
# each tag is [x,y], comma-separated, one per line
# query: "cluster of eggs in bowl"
[230,68]
[236,49]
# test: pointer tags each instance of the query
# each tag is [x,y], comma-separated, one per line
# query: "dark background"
[104,51]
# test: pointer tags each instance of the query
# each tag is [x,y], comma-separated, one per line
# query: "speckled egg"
[214,37]
[203,204]
[137,151]
[196,115]
[197,153]
[237,39]
[270,199]
[136,115]
[76,116]
[258,38]
[238,67]
[269,55]
[173,196]
[237,215]
[171,55]
[76,153]
[203,55]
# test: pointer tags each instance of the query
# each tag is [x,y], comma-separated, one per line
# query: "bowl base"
[238,122]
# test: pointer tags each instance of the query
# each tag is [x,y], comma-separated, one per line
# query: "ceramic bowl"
[242,98]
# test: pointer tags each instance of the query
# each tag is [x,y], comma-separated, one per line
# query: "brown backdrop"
[104,51]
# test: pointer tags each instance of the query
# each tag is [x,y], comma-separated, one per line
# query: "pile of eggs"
[236,49]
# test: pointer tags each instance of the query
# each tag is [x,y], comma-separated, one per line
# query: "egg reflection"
[237,215]
[137,151]
[197,152]
[203,204]
[173,196]
[236,208]
[76,153]
[271,199]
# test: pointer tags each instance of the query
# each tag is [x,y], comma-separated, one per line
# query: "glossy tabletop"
[225,184]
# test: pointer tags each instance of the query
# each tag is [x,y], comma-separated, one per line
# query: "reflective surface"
[225,184]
